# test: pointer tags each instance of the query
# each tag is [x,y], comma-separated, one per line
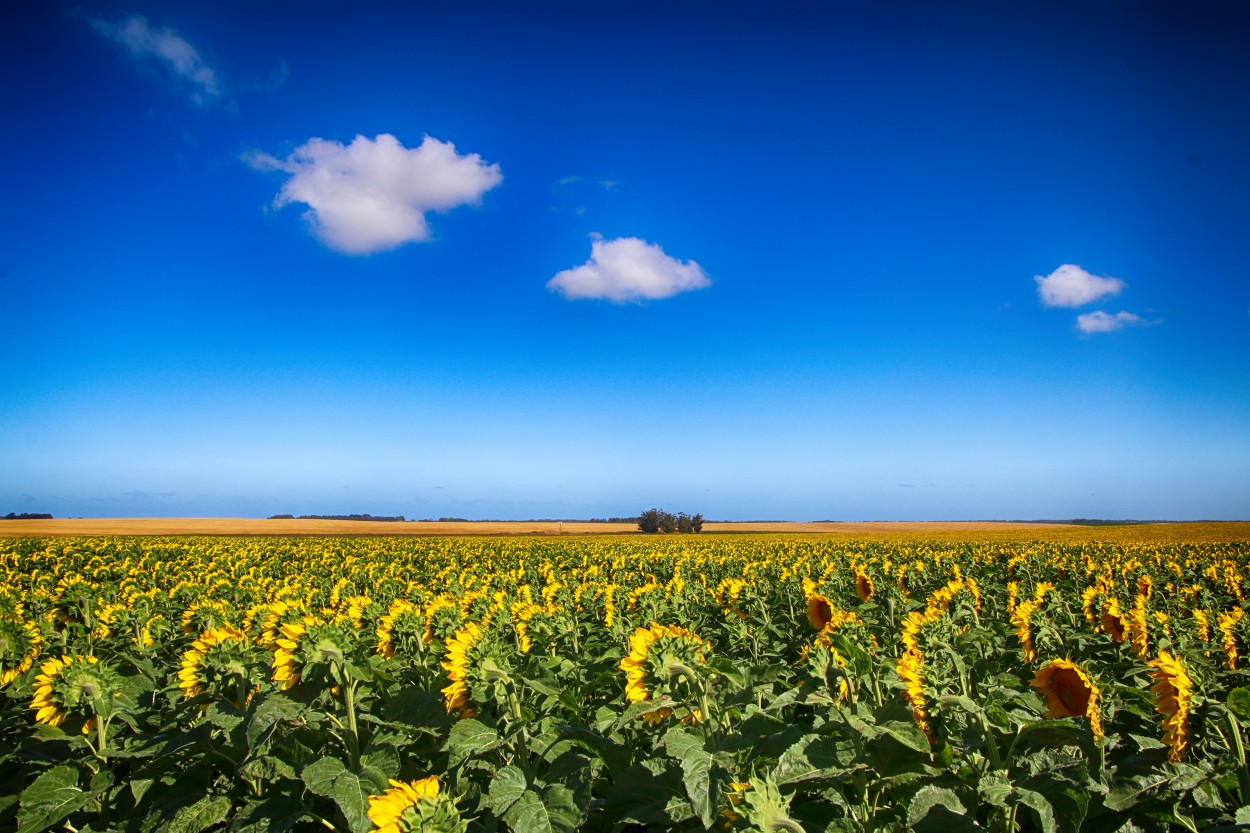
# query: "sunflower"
[912,623]
[522,612]
[220,661]
[1139,627]
[401,628]
[70,687]
[277,614]
[661,662]
[107,618]
[1203,625]
[728,593]
[456,662]
[310,651]
[20,644]
[1089,598]
[1024,632]
[202,616]
[864,587]
[910,671]
[1228,636]
[415,806]
[1173,690]
[386,811]
[1112,621]
[442,619]
[1069,692]
[819,611]
[354,608]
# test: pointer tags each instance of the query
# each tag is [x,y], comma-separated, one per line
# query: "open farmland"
[317,526]
[920,678]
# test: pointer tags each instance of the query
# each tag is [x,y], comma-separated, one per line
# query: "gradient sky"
[510,260]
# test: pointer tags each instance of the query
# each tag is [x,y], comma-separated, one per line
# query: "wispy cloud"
[628,269]
[373,194]
[1104,322]
[576,194]
[169,52]
[1072,286]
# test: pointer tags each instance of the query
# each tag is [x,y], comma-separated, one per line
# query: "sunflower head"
[222,663]
[1112,621]
[276,615]
[1173,690]
[312,651]
[819,611]
[729,594]
[475,665]
[442,619]
[864,588]
[73,687]
[401,630]
[910,669]
[205,615]
[75,600]
[664,662]
[1069,692]
[415,806]
[20,644]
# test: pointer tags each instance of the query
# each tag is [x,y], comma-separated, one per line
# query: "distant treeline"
[1099,522]
[27,516]
[338,517]
[657,520]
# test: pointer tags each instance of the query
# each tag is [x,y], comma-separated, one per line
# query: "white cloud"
[169,50]
[1072,286]
[1104,322]
[373,194]
[628,269]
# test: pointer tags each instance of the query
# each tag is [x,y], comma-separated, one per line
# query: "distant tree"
[657,520]
[649,521]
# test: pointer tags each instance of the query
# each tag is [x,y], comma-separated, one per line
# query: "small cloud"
[577,182]
[1072,286]
[576,194]
[373,194]
[277,77]
[628,269]
[139,494]
[1104,322]
[167,50]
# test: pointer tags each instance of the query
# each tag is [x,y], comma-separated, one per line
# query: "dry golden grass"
[287,526]
[970,530]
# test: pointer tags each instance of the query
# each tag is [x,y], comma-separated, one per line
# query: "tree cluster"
[27,516]
[365,517]
[657,520]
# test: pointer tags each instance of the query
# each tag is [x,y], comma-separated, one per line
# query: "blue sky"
[494,260]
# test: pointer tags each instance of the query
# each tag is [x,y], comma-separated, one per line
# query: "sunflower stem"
[353,740]
[101,734]
[990,744]
[1243,774]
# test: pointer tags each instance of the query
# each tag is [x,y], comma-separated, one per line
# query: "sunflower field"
[776,683]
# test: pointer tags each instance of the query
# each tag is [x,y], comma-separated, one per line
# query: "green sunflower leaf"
[53,796]
[201,815]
